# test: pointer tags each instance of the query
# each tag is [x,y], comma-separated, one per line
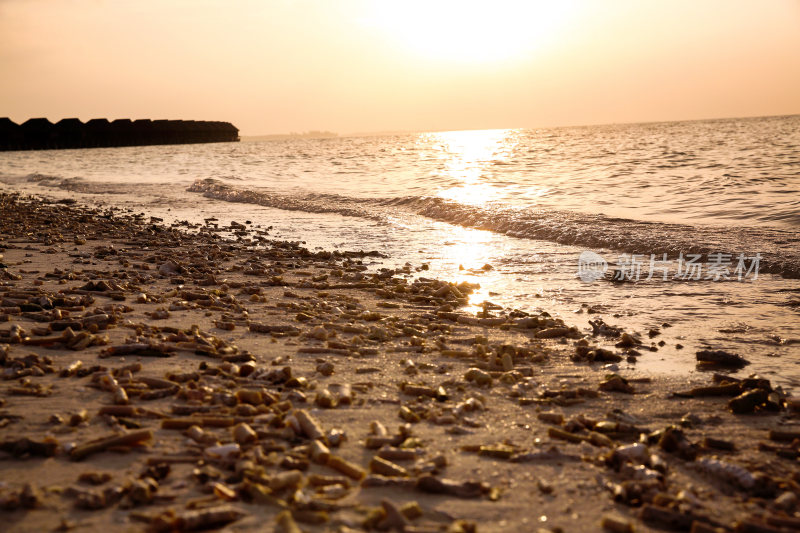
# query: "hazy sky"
[273,66]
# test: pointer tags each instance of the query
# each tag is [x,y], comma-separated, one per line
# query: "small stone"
[325,368]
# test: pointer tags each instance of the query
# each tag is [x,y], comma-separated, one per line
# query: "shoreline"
[184,341]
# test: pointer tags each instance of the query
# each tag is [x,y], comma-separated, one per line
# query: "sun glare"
[469,31]
[466,157]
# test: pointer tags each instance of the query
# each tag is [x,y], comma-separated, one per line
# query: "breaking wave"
[779,249]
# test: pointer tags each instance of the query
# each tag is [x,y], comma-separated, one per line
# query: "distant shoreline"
[381,133]
[314,134]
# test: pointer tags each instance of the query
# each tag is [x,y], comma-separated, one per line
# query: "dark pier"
[41,134]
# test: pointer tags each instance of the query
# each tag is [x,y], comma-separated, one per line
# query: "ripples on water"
[723,185]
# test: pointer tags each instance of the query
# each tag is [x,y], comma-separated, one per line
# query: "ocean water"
[711,210]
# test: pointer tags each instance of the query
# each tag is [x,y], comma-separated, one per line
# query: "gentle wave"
[732,171]
[74,184]
[779,249]
[212,188]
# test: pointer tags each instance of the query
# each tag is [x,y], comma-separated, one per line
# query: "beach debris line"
[305,390]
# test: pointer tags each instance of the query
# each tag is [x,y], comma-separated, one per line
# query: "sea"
[685,233]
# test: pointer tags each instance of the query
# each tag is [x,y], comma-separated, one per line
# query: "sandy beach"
[187,377]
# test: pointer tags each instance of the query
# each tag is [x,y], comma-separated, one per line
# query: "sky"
[278,66]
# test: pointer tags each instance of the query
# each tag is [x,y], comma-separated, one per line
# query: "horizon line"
[445,130]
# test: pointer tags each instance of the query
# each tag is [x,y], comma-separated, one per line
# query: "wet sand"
[172,378]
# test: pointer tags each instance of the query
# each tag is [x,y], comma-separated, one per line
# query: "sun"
[469,31]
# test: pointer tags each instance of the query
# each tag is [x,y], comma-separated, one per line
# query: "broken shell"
[78,418]
[319,452]
[552,333]
[132,438]
[551,418]
[398,454]
[225,451]
[387,468]
[616,383]
[411,510]
[408,415]
[557,433]
[480,377]
[393,519]
[468,489]
[727,472]
[507,362]
[343,392]
[319,333]
[718,444]
[197,434]
[635,453]
[616,525]
[378,429]
[308,424]
[244,434]
[497,452]
[282,480]
[325,399]
[335,437]
[598,439]
[346,467]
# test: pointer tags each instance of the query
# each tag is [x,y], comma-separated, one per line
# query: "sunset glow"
[360,66]
[471,31]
